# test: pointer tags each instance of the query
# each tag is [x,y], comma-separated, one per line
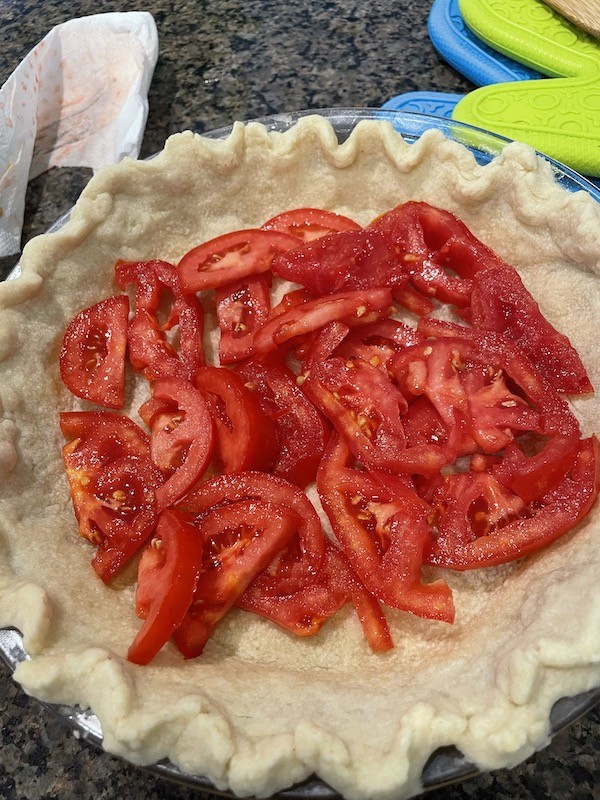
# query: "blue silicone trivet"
[464,51]
[440,104]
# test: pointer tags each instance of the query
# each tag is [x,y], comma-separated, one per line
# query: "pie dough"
[260,710]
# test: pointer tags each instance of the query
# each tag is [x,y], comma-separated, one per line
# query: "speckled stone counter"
[222,60]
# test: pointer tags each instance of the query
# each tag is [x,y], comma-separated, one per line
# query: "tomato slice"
[377,342]
[150,351]
[308,224]
[557,429]
[231,257]
[304,611]
[182,436]
[383,530]
[438,252]
[168,573]
[341,262]
[352,308]
[500,302]
[112,483]
[477,526]
[302,432]
[241,309]
[363,405]
[92,354]
[245,436]
[240,539]
[303,556]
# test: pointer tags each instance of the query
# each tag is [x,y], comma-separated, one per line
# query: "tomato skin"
[301,431]
[500,302]
[182,436]
[383,530]
[168,573]
[308,224]
[149,350]
[558,512]
[241,309]
[112,483]
[92,354]
[245,436]
[231,257]
[352,308]
[240,539]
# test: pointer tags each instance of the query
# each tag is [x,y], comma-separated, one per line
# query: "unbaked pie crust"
[260,710]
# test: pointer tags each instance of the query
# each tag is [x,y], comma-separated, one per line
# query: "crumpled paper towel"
[79,99]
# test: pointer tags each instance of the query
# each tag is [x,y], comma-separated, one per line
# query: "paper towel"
[79,99]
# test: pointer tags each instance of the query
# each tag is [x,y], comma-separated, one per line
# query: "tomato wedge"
[240,539]
[92,354]
[500,302]
[182,436]
[112,483]
[168,573]
[461,541]
[241,309]
[341,262]
[231,257]
[352,308]
[301,431]
[245,436]
[150,351]
[304,611]
[438,252]
[303,556]
[383,530]
[308,224]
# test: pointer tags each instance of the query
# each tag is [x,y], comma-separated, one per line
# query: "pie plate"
[447,764]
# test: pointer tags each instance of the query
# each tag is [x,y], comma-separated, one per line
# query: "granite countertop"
[222,60]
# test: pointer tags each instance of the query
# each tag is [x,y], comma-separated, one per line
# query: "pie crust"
[260,710]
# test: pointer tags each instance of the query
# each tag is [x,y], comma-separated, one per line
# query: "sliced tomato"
[308,224]
[557,429]
[241,309]
[302,432]
[303,556]
[304,611]
[231,257]
[112,483]
[150,351]
[168,573]
[366,409]
[92,354]
[342,262]
[240,540]
[99,437]
[500,302]
[351,308]
[438,252]
[182,436]
[384,533]
[245,436]
[477,527]
[377,342]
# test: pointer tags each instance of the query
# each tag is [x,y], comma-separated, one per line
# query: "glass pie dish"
[447,765]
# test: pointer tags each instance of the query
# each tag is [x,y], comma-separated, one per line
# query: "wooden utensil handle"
[585,14]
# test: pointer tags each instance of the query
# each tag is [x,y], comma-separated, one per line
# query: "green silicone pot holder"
[559,116]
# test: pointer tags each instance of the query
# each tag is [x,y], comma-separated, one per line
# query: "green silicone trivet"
[559,116]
